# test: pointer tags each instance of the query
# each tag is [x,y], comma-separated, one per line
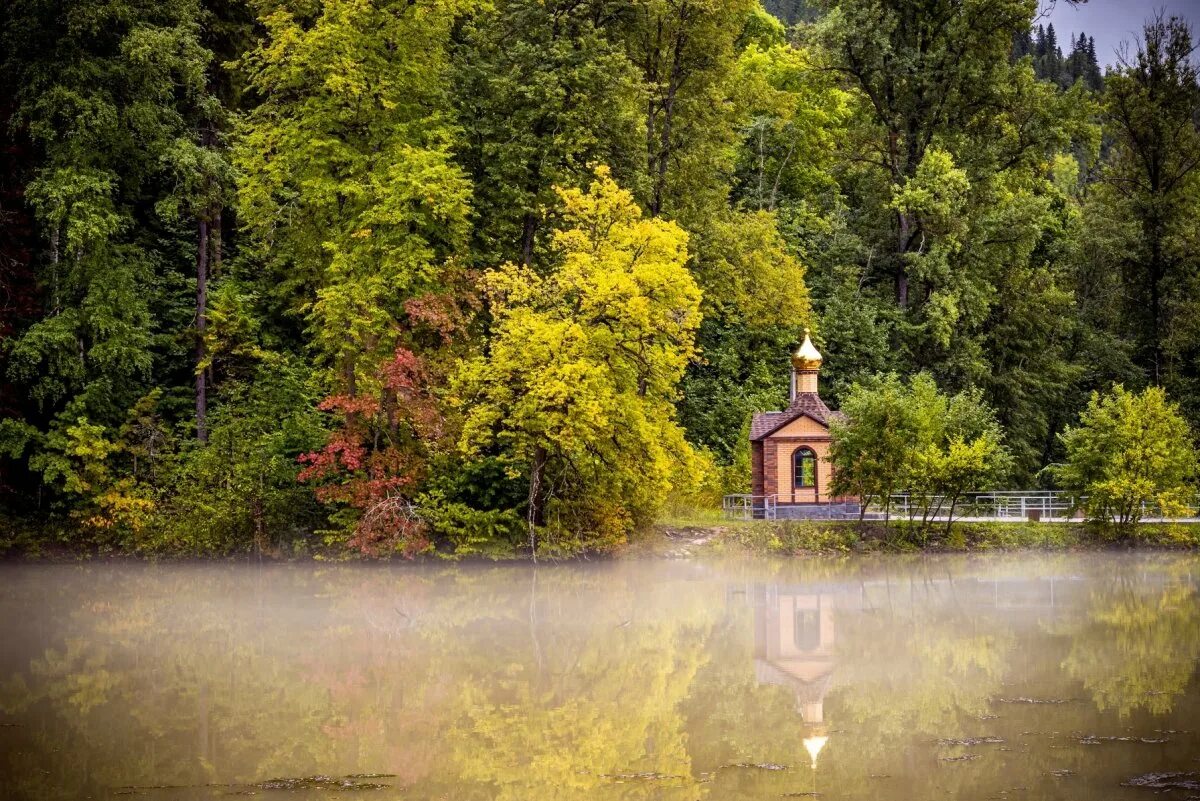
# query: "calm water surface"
[1048,677]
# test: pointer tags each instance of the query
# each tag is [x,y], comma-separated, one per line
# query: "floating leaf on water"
[972,741]
[1061,772]
[1092,739]
[646,776]
[1023,700]
[1175,780]
[961,758]
[318,783]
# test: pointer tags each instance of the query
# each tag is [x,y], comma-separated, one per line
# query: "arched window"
[804,468]
[806,629]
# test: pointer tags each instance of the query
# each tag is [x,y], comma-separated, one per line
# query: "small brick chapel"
[789,450]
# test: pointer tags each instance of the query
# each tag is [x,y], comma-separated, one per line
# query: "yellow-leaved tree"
[576,391]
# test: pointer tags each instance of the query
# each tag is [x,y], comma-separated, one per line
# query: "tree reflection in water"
[1137,650]
[664,680]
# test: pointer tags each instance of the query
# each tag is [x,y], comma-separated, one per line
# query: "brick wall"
[756,468]
[770,468]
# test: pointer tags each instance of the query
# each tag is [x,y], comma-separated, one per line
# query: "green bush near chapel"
[910,436]
[1130,452]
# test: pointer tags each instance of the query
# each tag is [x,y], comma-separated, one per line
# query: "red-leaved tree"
[376,456]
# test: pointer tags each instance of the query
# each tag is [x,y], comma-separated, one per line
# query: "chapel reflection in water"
[794,635]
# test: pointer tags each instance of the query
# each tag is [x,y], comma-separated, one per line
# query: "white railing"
[996,505]
[1049,505]
[750,507]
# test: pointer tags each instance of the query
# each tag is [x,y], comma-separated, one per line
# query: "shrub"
[1128,451]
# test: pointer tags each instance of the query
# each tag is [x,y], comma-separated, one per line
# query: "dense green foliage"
[912,438]
[287,274]
[1129,452]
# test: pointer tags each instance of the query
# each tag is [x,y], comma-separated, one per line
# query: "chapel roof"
[809,691]
[806,404]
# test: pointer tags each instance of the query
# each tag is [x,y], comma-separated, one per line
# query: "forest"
[411,276]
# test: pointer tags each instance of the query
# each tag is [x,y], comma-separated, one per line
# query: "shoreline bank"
[683,538]
[808,538]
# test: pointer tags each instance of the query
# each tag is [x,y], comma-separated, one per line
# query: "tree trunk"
[216,238]
[651,75]
[1156,275]
[901,266]
[664,149]
[528,234]
[535,491]
[201,329]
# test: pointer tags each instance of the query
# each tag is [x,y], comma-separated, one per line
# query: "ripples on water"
[1066,676]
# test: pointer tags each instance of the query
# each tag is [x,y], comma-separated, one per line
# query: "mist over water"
[1064,676]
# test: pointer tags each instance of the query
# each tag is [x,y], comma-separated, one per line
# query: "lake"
[1064,676]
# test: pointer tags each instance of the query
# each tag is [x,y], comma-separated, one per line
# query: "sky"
[1112,21]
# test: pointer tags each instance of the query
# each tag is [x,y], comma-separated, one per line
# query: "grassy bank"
[695,534]
[796,537]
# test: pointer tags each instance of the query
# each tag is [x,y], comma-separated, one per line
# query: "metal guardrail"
[750,507]
[999,505]
[1049,505]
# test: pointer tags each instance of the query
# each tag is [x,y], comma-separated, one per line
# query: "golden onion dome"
[807,357]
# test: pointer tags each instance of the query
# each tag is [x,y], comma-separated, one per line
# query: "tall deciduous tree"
[685,50]
[346,182]
[358,214]
[953,185]
[542,90]
[1152,113]
[925,71]
[577,389]
[203,178]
